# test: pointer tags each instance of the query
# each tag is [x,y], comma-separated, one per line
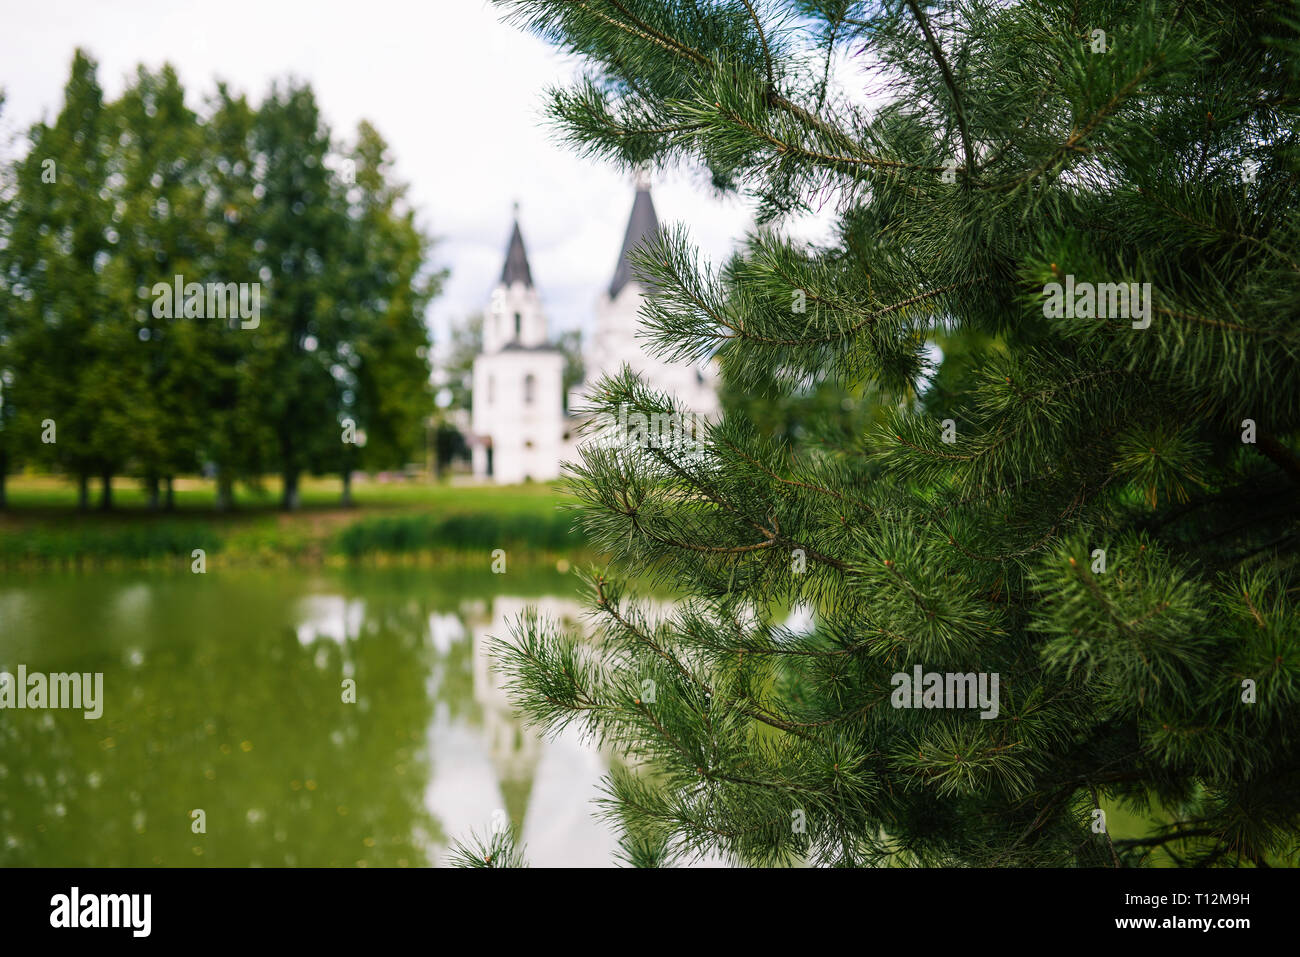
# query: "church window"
[530,385]
[519,324]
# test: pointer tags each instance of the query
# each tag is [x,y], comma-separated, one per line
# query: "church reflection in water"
[544,788]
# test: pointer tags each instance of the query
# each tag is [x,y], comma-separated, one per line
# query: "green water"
[225,692]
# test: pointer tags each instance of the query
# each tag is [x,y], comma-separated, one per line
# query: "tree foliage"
[116,197]
[1074,503]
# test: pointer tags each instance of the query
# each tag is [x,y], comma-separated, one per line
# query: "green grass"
[45,545]
[52,493]
[421,533]
[42,527]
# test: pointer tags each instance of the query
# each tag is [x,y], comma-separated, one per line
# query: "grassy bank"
[388,521]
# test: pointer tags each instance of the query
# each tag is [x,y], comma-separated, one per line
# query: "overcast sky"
[456,93]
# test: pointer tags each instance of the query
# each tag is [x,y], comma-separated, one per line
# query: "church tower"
[517,418]
[515,314]
[615,340]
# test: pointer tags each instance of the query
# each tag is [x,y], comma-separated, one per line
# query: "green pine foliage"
[495,850]
[1076,504]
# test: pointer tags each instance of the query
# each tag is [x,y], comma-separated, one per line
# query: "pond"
[228,694]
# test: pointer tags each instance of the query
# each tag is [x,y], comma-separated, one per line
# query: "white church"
[518,424]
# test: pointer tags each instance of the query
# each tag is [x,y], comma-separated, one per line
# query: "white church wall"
[514,315]
[525,424]
[616,342]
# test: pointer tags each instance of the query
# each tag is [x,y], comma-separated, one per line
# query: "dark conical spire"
[516,267]
[642,226]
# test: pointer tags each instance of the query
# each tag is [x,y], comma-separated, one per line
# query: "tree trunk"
[225,492]
[289,497]
[106,491]
[169,502]
[347,488]
[4,474]
[289,473]
[151,490]
[83,491]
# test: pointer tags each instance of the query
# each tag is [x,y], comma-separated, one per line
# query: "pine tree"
[1096,503]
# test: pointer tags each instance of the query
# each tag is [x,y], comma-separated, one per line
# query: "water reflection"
[543,786]
[225,692]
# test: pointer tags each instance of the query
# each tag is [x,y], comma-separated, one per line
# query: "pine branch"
[936,51]
[1280,455]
